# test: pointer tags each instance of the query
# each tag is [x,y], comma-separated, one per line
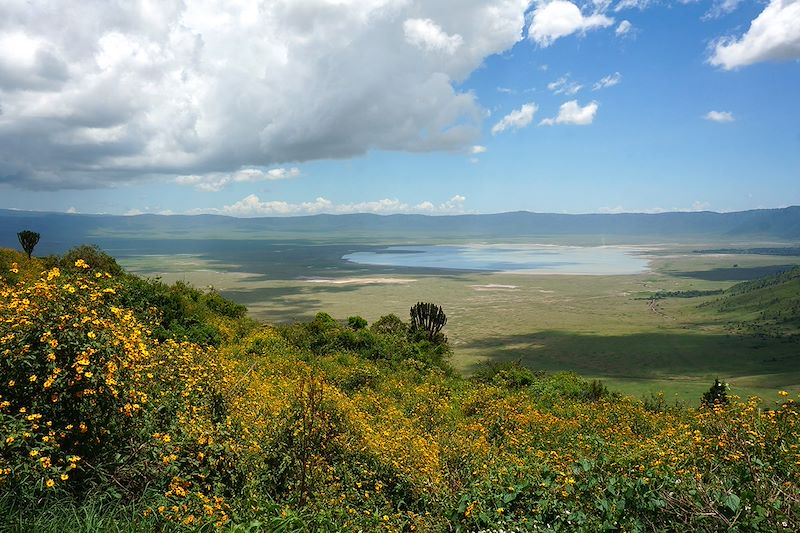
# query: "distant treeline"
[686,294]
[783,251]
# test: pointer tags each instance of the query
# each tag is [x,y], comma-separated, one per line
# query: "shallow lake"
[530,258]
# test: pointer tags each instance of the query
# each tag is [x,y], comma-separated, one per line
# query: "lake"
[524,258]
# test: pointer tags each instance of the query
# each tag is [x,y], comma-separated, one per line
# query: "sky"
[296,107]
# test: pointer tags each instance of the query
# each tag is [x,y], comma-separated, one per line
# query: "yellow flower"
[783,393]
[80,263]
[64,477]
[33,453]
[50,483]
[9,440]
[91,335]
[32,378]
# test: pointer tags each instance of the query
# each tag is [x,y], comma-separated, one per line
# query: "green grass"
[91,516]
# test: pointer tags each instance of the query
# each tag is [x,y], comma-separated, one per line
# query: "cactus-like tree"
[28,240]
[428,317]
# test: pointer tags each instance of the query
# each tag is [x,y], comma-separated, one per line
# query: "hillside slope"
[769,303]
[113,420]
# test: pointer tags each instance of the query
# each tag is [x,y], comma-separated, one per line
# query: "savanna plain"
[621,329]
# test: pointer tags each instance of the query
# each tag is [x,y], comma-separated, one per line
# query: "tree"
[428,317]
[28,240]
[716,395]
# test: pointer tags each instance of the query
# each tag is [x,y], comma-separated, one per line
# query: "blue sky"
[308,106]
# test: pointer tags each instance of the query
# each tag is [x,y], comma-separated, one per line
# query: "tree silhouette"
[429,317]
[28,240]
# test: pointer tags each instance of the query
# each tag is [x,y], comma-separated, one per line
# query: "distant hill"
[65,230]
[770,304]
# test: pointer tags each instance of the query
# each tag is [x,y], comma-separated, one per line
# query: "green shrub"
[356,322]
[509,374]
[717,395]
[96,259]
[389,325]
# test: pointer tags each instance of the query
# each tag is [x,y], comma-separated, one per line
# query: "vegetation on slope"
[329,426]
[768,305]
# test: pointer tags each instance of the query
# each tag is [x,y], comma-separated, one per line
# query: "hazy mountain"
[60,230]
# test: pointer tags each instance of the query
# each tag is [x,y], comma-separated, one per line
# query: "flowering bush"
[73,372]
[304,429]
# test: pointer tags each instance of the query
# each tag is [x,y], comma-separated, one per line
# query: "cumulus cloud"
[426,34]
[519,118]
[774,35]
[719,116]
[564,85]
[253,206]
[477,149]
[122,90]
[607,81]
[572,113]
[623,28]
[216,181]
[559,18]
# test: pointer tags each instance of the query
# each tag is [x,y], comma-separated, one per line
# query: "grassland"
[603,327]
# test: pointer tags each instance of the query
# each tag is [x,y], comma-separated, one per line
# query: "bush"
[717,395]
[509,374]
[90,255]
[389,325]
[73,377]
[356,322]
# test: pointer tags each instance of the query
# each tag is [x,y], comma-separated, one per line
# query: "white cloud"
[563,85]
[72,210]
[559,18]
[519,118]
[572,113]
[633,4]
[608,81]
[216,181]
[426,34]
[719,116]
[695,207]
[120,91]
[477,149]
[623,28]
[774,35]
[253,206]
[721,8]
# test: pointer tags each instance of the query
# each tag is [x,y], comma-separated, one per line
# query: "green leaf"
[732,502]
